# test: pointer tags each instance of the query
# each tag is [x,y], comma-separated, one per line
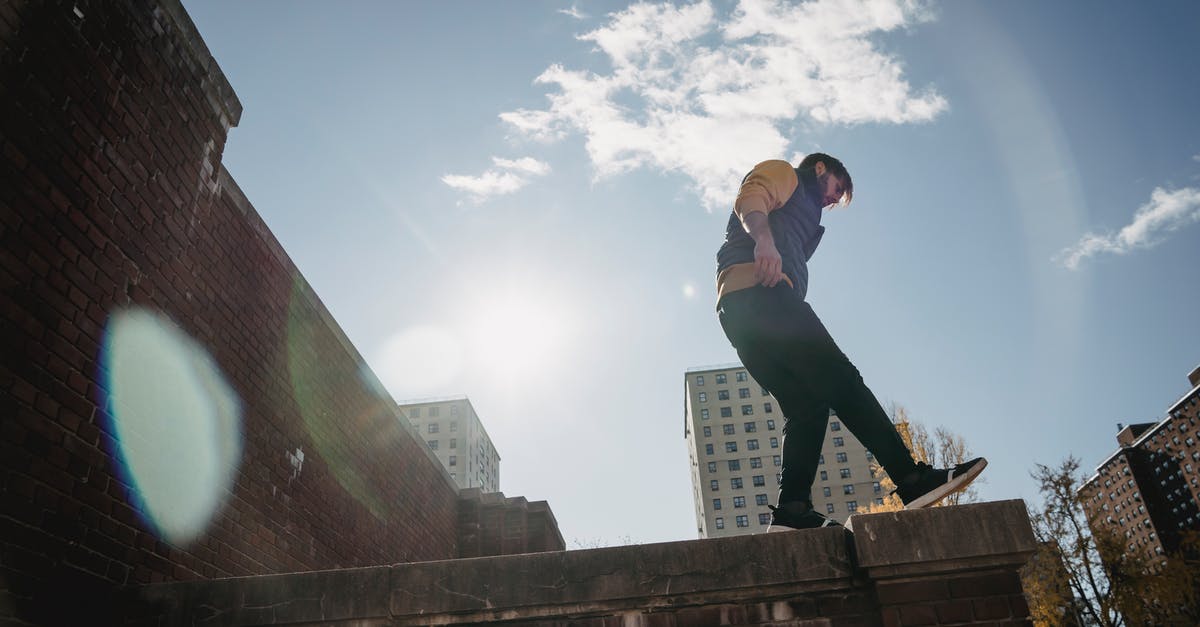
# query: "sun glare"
[518,335]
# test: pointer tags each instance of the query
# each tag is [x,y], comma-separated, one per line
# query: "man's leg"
[813,357]
[805,421]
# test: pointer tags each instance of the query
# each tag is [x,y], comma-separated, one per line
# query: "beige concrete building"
[734,433]
[456,436]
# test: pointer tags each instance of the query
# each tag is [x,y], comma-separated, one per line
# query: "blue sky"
[521,202]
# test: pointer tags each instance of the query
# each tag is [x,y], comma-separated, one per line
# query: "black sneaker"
[928,485]
[797,515]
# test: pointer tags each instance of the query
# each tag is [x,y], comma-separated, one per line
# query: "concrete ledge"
[943,539]
[957,562]
[599,582]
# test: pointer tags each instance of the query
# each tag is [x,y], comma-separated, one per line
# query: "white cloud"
[693,92]
[574,12]
[1167,211]
[528,165]
[508,176]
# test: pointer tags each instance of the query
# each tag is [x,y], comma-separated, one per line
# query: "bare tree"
[942,448]
[1082,573]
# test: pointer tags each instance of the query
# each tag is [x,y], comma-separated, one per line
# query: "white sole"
[956,484]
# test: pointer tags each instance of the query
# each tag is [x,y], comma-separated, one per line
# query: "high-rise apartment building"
[454,433]
[1148,491]
[734,433]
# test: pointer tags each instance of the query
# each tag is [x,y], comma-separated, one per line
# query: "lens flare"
[176,421]
[349,431]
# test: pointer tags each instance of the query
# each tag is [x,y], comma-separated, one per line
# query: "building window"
[433,411]
[454,410]
[848,489]
[756,462]
[752,445]
[870,456]
[764,519]
[852,506]
[454,425]
[712,466]
[708,449]
[727,429]
[722,395]
[741,376]
[739,502]
[765,392]
[768,409]
[820,460]
[453,442]
[774,442]
[726,412]
[731,447]
[841,457]
[707,432]
[735,464]
[775,459]
[829,508]
[704,414]
[714,485]
[824,476]
[433,427]
[454,460]
[747,410]
[433,444]
[839,442]
[416,412]
[826,492]
[759,481]
[760,499]
[716,503]
[879,500]
[876,487]
[721,379]
[699,379]
[703,397]
[736,483]
[743,392]
[835,425]
[743,521]
[845,472]
[720,523]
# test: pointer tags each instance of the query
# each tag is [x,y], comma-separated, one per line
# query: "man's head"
[834,184]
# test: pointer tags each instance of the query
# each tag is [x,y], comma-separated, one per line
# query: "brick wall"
[490,524]
[113,118]
[942,566]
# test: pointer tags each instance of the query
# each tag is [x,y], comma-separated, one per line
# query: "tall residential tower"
[1148,491]
[453,432]
[734,432]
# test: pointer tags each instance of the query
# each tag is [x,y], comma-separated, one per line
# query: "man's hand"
[768,264]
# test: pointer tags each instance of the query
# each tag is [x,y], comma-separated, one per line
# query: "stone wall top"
[962,559]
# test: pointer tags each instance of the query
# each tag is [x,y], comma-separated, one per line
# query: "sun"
[513,335]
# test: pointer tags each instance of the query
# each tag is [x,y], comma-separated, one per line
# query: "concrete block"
[943,539]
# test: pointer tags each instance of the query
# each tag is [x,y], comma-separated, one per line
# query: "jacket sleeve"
[766,188]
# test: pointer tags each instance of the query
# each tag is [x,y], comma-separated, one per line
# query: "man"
[762,279]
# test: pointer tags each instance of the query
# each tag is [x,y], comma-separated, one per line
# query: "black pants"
[787,349]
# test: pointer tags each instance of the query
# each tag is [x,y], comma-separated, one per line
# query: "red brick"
[911,591]
[1018,605]
[991,608]
[985,585]
[954,611]
[918,615]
